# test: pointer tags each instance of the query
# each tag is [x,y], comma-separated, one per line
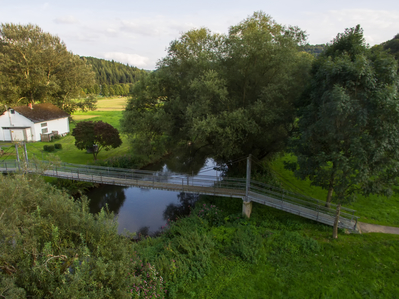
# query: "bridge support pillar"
[246,208]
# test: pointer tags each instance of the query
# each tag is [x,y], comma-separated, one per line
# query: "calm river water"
[147,210]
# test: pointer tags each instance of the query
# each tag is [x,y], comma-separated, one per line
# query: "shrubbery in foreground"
[52,247]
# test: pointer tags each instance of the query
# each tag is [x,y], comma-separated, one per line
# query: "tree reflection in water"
[113,196]
[145,211]
[172,212]
[176,211]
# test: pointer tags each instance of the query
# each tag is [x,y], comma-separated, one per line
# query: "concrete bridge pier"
[246,208]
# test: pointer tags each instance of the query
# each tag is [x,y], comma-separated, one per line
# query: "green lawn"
[69,153]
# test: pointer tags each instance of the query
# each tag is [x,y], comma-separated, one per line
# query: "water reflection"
[113,196]
[145,211]
[189,160]
[174,211]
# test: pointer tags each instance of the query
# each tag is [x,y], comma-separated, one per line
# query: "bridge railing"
[110,175]
[286,196]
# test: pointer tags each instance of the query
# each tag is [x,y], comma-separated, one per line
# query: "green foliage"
[49,148]
[293,265]
[210,213]
[247,243]
[124,161]
[58,145]
[235,93]
[392,46]
[293,244]
[96,135]
[53,247]
[315,50]
[112,72]
[37,67]
[73,187]
[348,131]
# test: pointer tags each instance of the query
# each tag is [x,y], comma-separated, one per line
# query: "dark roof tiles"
[41,112]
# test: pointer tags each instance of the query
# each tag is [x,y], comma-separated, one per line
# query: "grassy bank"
[374,209]
[218,254]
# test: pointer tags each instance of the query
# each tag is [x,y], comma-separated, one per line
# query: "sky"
[139,32]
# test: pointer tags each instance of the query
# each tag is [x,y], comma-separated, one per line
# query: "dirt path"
[375,228]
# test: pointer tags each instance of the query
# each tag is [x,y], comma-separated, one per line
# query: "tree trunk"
[330,188]
[329,195]
[335,228]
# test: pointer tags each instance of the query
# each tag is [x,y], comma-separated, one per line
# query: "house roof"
[41,112]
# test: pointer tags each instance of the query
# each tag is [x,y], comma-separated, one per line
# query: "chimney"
[30,105]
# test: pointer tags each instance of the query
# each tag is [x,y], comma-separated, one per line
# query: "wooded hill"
[392,46]
[112,72]
[315,50]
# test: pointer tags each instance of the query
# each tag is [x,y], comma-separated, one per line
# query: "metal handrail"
[109,174]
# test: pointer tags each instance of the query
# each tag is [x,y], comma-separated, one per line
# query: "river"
[146,211]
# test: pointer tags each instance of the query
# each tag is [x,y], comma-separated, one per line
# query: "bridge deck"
[229,187]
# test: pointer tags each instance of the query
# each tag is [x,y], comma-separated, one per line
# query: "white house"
[27,123]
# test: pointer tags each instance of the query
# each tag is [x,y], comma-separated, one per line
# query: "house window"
[44,124]
[44,131]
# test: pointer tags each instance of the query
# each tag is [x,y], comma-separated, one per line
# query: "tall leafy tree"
[234,93]
[348,140]
[96,136]
[36,67]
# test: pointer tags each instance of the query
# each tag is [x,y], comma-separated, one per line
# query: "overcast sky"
[139,32]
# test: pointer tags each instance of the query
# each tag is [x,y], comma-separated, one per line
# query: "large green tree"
[348,140]
[36,67]
[234,93]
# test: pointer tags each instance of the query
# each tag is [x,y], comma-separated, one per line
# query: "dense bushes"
[52,247]
[52,148]
[49,148]
[125,161]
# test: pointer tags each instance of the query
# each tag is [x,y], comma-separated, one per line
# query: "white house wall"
[17,120]
[61,125]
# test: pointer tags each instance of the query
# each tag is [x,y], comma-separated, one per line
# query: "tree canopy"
[36,67]
[234,93]
[96,136]
[112,72]
[348,136]
[392,46]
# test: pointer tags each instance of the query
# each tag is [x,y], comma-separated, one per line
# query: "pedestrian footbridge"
[246,189]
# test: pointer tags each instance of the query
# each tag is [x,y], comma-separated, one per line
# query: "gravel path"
[375,228]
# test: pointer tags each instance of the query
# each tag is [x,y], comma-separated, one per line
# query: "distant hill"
[392,46]
[112,72]
[313,49]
